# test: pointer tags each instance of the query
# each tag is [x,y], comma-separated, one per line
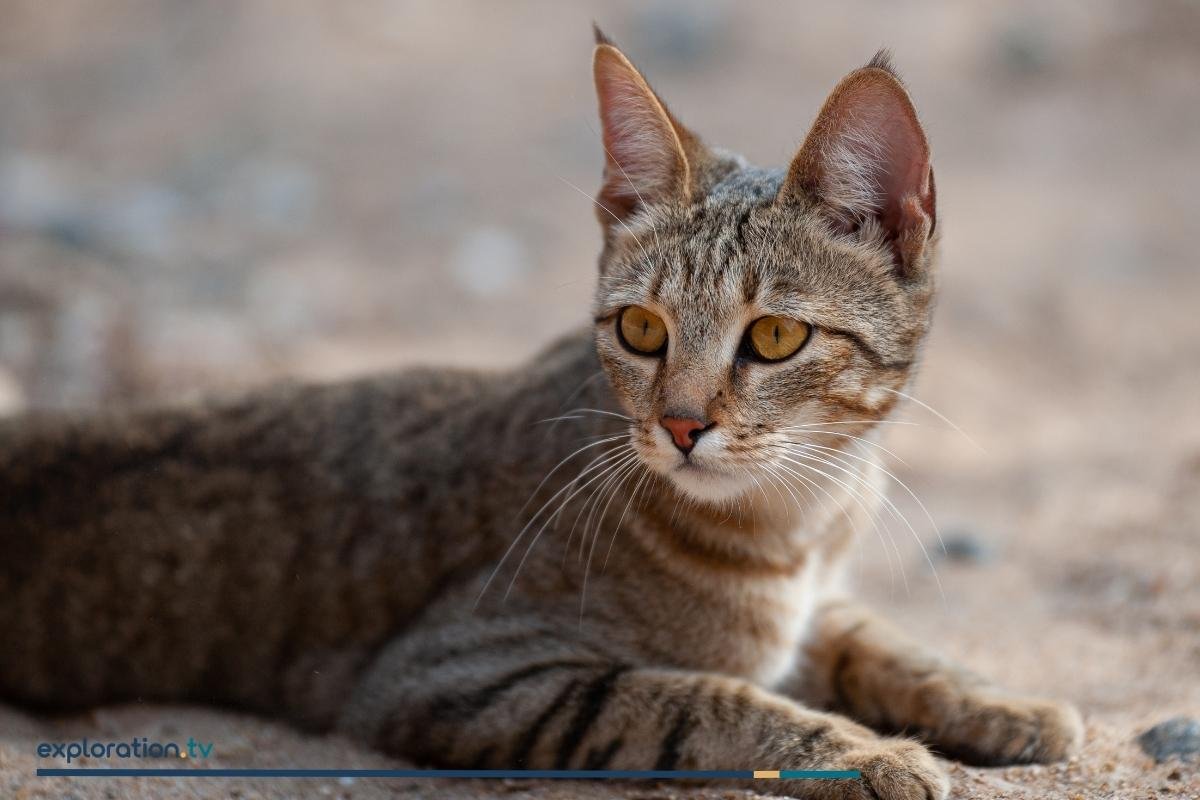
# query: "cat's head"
[745,314]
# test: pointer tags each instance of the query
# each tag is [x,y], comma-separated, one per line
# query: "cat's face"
[742,315]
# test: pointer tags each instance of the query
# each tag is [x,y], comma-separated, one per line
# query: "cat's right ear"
[645,160]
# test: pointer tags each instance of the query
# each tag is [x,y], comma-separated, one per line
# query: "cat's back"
[358,433]
[299,520]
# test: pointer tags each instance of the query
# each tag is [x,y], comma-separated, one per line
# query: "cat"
[628,554]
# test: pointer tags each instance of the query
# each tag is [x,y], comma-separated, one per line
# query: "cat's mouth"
[702,473]
[706,482]
[709,468]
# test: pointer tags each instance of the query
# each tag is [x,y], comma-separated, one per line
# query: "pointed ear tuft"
[601,36]
[883,60]
[867,159]
[645,158]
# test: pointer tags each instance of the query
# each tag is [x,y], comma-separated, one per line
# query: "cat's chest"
[754,630]
[781,619]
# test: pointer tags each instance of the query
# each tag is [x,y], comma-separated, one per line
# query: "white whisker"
[600,411]
[854,422]
[558,466]
[871,518]
[854,474]
[596,538]
[596,496]
[856,497]
[591,466]
[621,222]
[858,439]
[628,180]
[895,511]
[617,530]
[937,532]
[546,523]
[599,501]
[937,414]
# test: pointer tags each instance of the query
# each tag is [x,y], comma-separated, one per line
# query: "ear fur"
[646,149]
[867,158]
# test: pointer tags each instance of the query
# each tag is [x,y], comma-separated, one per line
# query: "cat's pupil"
[777,333]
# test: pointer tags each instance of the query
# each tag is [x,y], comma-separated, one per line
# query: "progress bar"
[540,774]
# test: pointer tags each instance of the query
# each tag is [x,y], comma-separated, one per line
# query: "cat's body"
[306,524]
[627,554]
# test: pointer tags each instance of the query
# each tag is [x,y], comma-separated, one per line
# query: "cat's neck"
[758,532]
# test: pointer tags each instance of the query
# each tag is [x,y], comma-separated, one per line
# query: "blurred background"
[197,197]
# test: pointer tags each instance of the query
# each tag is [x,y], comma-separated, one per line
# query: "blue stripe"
[655,774]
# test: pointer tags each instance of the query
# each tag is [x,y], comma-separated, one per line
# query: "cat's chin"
[706,484]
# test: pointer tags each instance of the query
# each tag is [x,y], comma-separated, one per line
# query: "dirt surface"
[196,197]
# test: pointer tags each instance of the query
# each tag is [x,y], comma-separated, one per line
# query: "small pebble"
[964,546]
[1175,737]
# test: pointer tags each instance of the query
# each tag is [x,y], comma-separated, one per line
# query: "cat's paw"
[894,769]
[996,730]
[890,769]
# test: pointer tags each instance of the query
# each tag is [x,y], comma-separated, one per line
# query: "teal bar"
[814,774]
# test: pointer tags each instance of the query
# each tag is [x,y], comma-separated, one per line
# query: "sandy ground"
[194,198]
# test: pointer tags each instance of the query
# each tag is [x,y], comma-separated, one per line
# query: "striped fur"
[519,570]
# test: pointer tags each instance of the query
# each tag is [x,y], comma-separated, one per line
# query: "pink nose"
[684,431]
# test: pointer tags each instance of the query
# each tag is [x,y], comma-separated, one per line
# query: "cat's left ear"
[867,159]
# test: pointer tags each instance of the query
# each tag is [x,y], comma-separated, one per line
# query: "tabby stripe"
[750,284]
[436,658]
[529,738]
[464,707]
[874,356]
[668,752]
[591,705]
[656,283]
[483,757]
[600,758]
[742,220]
[689,266]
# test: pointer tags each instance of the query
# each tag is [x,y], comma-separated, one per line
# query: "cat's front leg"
[862,666]
[503,701]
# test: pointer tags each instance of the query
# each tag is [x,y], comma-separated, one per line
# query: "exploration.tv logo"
[134,748]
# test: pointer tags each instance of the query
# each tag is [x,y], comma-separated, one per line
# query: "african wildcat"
[628,554]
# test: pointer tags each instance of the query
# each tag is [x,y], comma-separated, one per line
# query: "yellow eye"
[642,330]
[776,338]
